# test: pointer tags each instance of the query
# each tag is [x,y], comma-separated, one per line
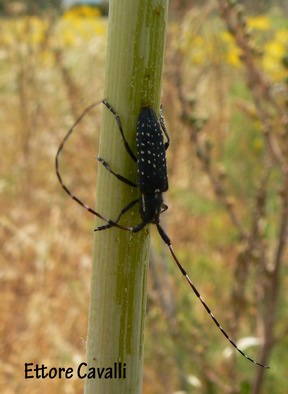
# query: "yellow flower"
[30,30]
[282,37]
[36,30]
[7,37]
[82,12]
[233,57]
[275,50]
[232,50]
[261,22]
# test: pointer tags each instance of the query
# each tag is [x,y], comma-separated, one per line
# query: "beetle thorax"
[151,207]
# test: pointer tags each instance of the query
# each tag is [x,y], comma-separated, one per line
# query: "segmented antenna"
[75,198]
[198,295]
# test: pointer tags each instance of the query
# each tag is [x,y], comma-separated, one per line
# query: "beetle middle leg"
[118,120]
[118,176]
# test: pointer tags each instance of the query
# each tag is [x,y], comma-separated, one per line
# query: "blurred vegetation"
[33,7]
[224,184]
[8,7]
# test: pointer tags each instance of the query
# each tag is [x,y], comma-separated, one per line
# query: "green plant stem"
[135,50]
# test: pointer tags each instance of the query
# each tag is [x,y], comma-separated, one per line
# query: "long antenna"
[75,198]
[167,241]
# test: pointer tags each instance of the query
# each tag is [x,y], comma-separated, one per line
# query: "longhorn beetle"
[152,181]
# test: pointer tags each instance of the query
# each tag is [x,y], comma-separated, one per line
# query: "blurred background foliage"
[7,7]
[225,100]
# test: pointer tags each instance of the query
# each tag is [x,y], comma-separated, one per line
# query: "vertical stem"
[135,50]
